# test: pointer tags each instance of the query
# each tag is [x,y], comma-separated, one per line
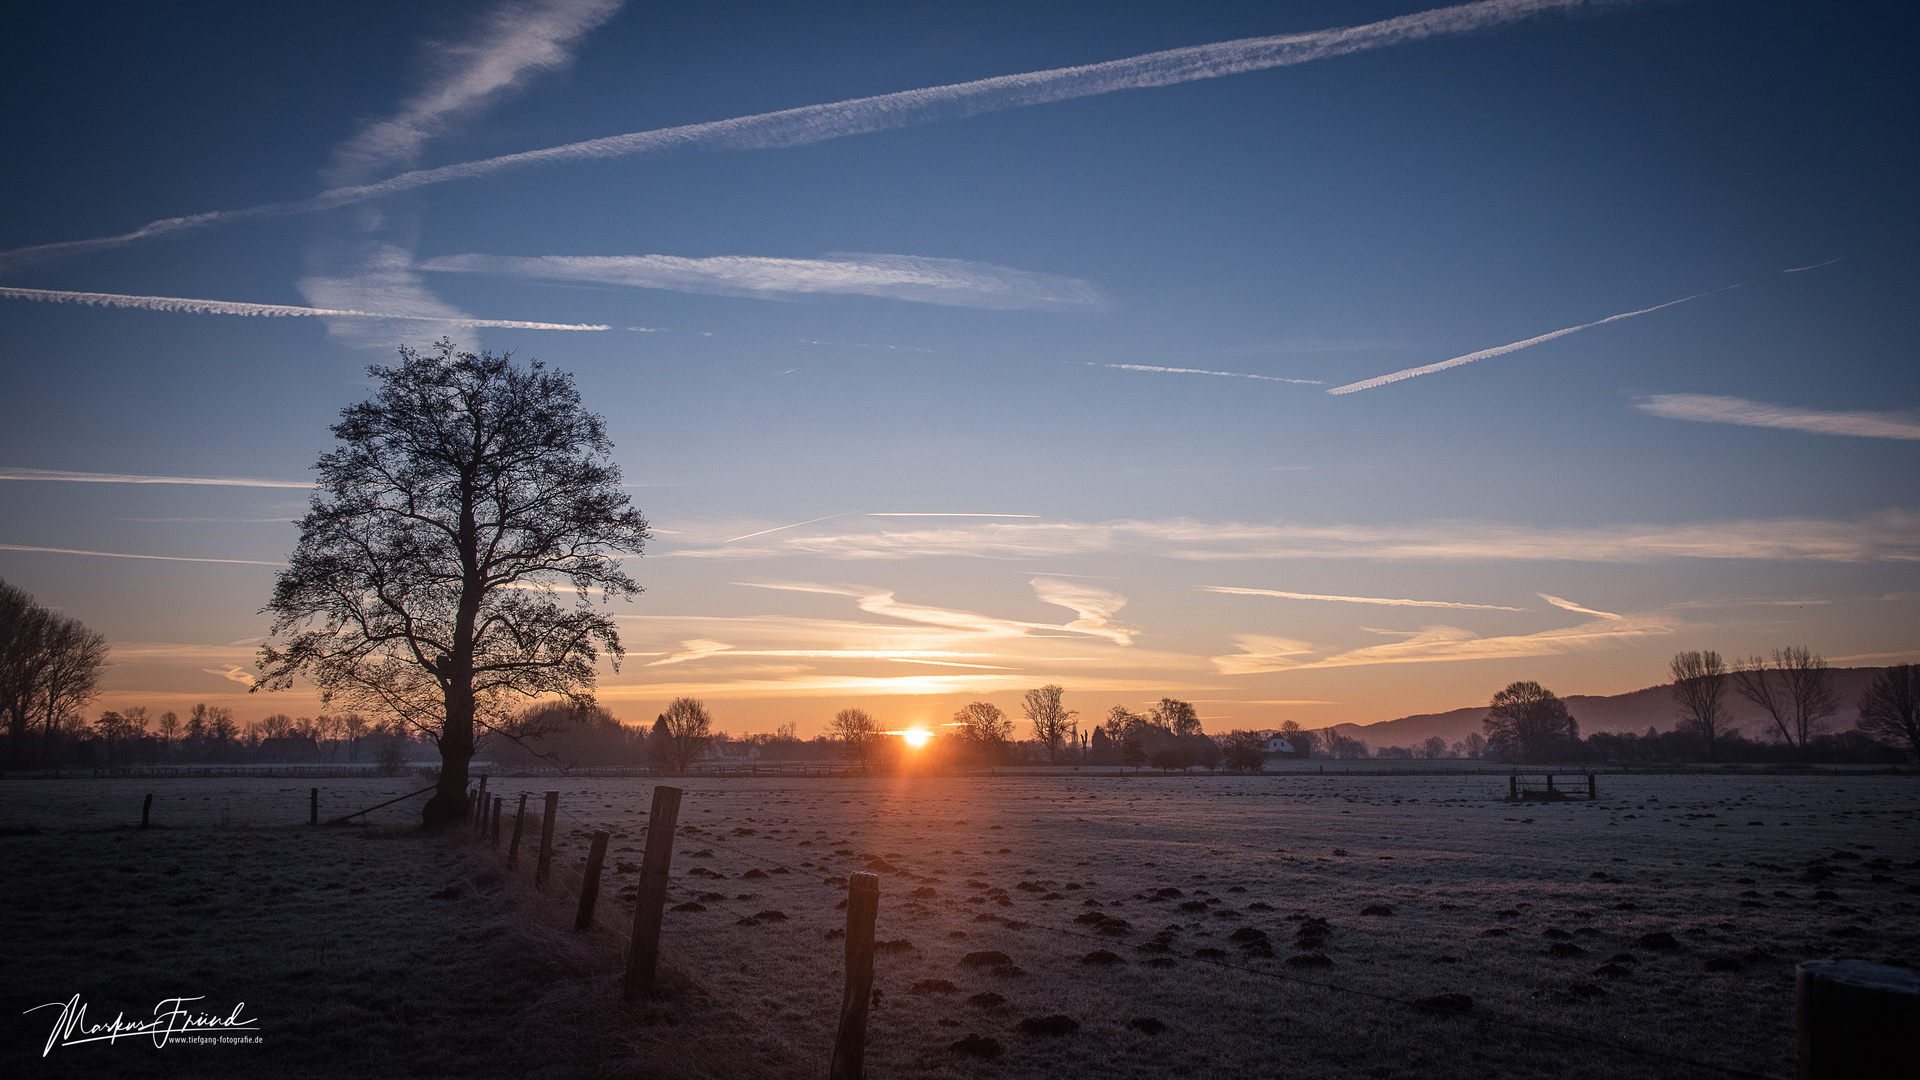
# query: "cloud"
[234,307]
[1892,536]
[1502,350]
[120,555]
[1437,644]
[130,478]
[514,41]
[1569,605]
[920,278]
[232,673]
[1710,409]
[1354,599]
[1261,653]
[858,116]
[1203,371]
[1095,608]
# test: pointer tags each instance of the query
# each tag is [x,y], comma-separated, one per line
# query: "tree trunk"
[448,807]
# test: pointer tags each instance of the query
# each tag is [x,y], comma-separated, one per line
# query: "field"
[1426,885]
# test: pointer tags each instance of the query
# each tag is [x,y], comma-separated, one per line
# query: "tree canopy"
[461,495]
[1528,722]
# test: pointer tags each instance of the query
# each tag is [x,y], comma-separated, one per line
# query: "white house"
[1277,744]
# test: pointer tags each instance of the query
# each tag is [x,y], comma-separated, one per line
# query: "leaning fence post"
[519,823]
[545,864]
[850,1045]
[313,807]
[650,893]
[590,884]
[1855,1020]
[493,831]
[146,809]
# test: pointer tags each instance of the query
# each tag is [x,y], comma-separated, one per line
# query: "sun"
[916,737]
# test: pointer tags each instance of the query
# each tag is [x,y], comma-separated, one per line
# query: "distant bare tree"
[1528,722]
[1051,720]
[688,727]
[169,725]
[1890,707]
[1300,738]
[1794,687]
[1176,716]
[1434,747]
[983,726]
[860,732]
[1344,747]
[1700,689]
[1474,745]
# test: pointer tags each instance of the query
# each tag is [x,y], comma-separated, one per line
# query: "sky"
[1316,361]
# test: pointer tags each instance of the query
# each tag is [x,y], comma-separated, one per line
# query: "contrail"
[1711,408]
[1815,266]
[122,555]
[795,525]
[1502,350]
[234,307]
[1381,600]
[1203,371]
[131,478]
[860,116]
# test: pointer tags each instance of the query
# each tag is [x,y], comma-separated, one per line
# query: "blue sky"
[955,314]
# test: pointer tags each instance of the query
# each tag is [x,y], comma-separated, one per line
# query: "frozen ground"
[1748,874]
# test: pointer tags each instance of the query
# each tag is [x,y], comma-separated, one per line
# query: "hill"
[1634,711]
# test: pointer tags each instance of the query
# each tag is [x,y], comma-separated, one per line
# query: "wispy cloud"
[235,307]
[513,41]
[130,478]
[920,278]
[818,123]
[1502,350]
[1569,605]
[1712,409]
[1383,601]
[1815,266]
[1203,371]
[1437,644]
[1095,608]
[232,673]
[1892,536]
[123,555]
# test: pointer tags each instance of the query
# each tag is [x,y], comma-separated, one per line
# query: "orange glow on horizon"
[916,737]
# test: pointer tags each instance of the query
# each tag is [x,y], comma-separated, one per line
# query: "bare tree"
[169,725]
[71,677]
[1700,689]
[1794,687]
[983,726]
[860,732]
[1528,722]
[1178,717]
[1050,719]
[1244,751]
[460,497]
[1890,707]
[1434,747]
[1300,738]
[23,654]
[688,726]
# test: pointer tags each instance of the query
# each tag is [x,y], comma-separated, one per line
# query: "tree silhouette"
[1700,689]
[860,732]
[1795,688]
[423,588]
[1051,721]
[1890,707]
[1528,722]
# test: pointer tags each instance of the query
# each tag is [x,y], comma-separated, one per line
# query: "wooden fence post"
[1513,788]
[1593,788]
[850,1045]
[313,807]
[545,865]
[1856,1021]
[519,824]
[146,809]
[1549,787]
[650,893]
[590,884]
[493,831]
[480,819]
